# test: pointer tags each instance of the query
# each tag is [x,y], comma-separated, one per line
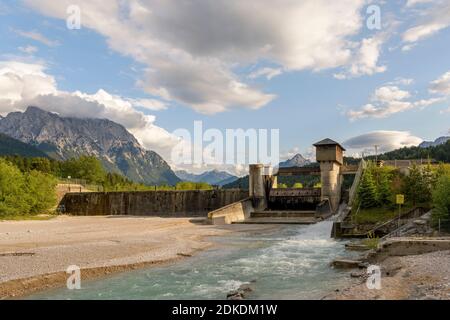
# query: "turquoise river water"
[291,262]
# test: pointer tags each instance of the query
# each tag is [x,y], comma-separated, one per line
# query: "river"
[291,262]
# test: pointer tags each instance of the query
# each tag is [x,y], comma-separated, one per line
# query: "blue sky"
[306,101]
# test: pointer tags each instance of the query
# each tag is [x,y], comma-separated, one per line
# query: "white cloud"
[365,61]
[149,104]
[385,140]
[435,17]
[441,85]
[389,100]
[422,31]
[401,82]
[24,84]
[28,49]
[287,155]
[408,47]
[34,35]
[269,73]
[22,81]
[390,93]
[192,47]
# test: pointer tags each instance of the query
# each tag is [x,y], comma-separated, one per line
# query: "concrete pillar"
[331,183]
[275,182]
[257,187]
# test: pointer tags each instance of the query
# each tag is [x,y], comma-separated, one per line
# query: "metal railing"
[77,185]
[443,226]
[396,223]
[354,188]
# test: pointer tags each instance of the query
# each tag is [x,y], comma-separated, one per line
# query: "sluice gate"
[269,204]
[294,199]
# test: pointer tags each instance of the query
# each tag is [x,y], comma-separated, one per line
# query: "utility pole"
[376,164]
[376,154]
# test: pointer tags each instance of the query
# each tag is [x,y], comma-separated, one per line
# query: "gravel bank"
[417,277]
[34,255]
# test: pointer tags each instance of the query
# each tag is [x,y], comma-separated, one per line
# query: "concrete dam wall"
[150,203]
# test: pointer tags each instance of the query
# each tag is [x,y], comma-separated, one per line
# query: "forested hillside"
[10,146]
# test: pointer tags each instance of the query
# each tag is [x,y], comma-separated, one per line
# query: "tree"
[282,186]
[384,186]
[85,167]
[41,191]
[441,200]
[298,185]
[13,197]
[25,193]
[367,192]
[417,186]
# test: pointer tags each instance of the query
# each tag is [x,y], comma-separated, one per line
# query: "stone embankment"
[413,265]
[415,277]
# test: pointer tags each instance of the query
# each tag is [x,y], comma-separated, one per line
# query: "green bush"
[25,193]
[13,197]
[40,188]
[441,200]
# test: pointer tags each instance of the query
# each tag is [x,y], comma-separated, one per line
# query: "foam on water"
[291,263]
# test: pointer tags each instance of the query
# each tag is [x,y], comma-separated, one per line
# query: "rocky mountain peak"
[437,142]
[66,137]
[297,161]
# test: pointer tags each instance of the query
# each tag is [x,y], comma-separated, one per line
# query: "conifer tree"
[417,187]
[384,187]
[367,192]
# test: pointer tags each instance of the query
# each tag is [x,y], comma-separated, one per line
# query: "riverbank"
[410,277]
[34,255]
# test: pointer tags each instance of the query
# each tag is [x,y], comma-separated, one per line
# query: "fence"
[79,185]
[68,181]
[443,226]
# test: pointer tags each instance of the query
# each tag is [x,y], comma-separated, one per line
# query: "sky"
[363,73]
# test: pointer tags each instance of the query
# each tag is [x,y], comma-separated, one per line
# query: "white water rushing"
[290,263]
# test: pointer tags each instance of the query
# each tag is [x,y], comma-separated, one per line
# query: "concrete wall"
[331,183]
[257,188]
[329,153]
[238,211]
[412,246]
[151,203]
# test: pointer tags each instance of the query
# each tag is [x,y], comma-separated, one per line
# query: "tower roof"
[328,142]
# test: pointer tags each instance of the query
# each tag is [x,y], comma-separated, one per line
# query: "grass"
[376,215]
[40,217]
[371,242]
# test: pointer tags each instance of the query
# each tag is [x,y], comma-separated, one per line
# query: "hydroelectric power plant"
[263,203]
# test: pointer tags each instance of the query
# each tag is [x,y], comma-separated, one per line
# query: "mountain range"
[297,161]
[63,138]
[435,143]
[214,177]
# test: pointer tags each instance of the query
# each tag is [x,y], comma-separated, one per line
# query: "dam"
[268,204]
[263,203]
